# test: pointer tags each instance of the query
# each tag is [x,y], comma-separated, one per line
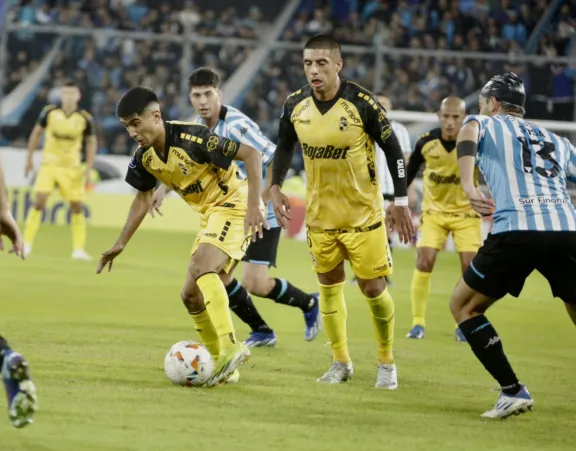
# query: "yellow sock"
[334,313]
[382,308]
[216,299]
[78,231]
[32,225]
[419,292]
[207,333]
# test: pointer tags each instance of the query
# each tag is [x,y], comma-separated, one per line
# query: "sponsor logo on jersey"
[212,143]
[351,115]
[324,152]
[194,188]
[229,148]
[297,113]
[540,200]
[444,179]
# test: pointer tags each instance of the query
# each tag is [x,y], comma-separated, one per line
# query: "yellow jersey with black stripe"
[197,164]
[64,135]
[338,144]
[443,191]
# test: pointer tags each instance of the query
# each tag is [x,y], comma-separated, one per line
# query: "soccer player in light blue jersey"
[229,122]
[20,389]
[526,168]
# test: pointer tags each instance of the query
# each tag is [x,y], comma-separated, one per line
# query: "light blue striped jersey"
[526,168]
[234,124]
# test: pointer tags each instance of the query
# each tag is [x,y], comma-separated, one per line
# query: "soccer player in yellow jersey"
[445,207]
[65,129]
[199,166]
[338,124]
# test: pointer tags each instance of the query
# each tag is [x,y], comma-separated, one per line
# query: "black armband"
[466,148]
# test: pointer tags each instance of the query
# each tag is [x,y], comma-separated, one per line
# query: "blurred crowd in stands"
[105,66]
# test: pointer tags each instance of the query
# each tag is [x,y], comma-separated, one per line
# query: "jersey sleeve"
[416,159]
[218,150]
[137,176]
[378,127]
[43,117]
[287,139]
[89,130]
[248,133]
[571,168]
[482,124]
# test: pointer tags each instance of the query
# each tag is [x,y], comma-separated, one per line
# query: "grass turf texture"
[96,346]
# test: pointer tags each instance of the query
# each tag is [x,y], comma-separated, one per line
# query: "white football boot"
[337,373]
[508,405]
[387,376]
[80,254]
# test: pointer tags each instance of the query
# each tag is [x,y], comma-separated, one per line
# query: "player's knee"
[76,207]
[373,288]
[192,300]
[256,285]
[425,263]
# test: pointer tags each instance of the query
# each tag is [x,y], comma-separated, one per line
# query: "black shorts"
[264,250]
[505,261]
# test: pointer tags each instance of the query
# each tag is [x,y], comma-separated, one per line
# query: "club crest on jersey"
[212,143]
[343,123]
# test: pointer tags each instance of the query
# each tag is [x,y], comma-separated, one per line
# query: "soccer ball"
[189,364]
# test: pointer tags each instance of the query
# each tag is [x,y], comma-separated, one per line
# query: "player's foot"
[508,405]
[386,376]
[460,336]
[338,372]
[261,340]
[80,254]
[416,333]
[27,250]
[312,319]
[234,378]
[228,362]
[21,391]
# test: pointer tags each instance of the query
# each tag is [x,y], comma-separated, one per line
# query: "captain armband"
[466,148]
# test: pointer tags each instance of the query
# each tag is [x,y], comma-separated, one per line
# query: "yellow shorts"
[70,182]
[435,227]
[224,228]
[367,251]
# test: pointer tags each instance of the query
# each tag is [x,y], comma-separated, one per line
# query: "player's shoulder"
[296,97]
[136,159]
[49,109]
[480,118]
[86,115]
[431,135]
[181,128]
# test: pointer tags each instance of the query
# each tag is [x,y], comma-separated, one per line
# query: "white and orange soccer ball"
[189,364]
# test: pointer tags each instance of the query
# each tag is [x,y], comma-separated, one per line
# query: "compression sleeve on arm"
[287,138]
[415,161]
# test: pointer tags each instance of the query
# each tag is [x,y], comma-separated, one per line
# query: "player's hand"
[157,201]
[108,258]
[281,205]
[29,167]
[399,219]
[254,222]
[9,227]
[479,202]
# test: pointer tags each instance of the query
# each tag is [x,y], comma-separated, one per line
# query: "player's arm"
[8,225]
[221,152]
[571,169]
[467,148]
[91,143]
[287,139]
[144,183]
[415,162]
[34,139]
[158,199]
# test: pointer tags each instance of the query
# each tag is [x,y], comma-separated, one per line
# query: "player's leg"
[43,186]
[73,188]
[371,266]
[467,235]
[498,269]
[431,238]
[328,260]
[20,389]
[242,305]
[260,256]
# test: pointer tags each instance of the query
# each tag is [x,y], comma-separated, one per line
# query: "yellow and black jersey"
[442,188]
[338,143]
[64,135]
[197,164]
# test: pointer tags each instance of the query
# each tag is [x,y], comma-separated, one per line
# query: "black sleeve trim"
[287,139]
[466,148]
[415,162]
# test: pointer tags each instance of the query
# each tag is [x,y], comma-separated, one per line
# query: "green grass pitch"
[96,346]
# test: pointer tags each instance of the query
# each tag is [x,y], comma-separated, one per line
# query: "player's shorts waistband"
[455,214]
[347,230]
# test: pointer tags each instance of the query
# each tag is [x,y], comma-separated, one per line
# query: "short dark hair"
[324,42]
[204,76]
[70,84]
[134,101]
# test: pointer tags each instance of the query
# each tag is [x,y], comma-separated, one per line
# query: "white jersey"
[384,177]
